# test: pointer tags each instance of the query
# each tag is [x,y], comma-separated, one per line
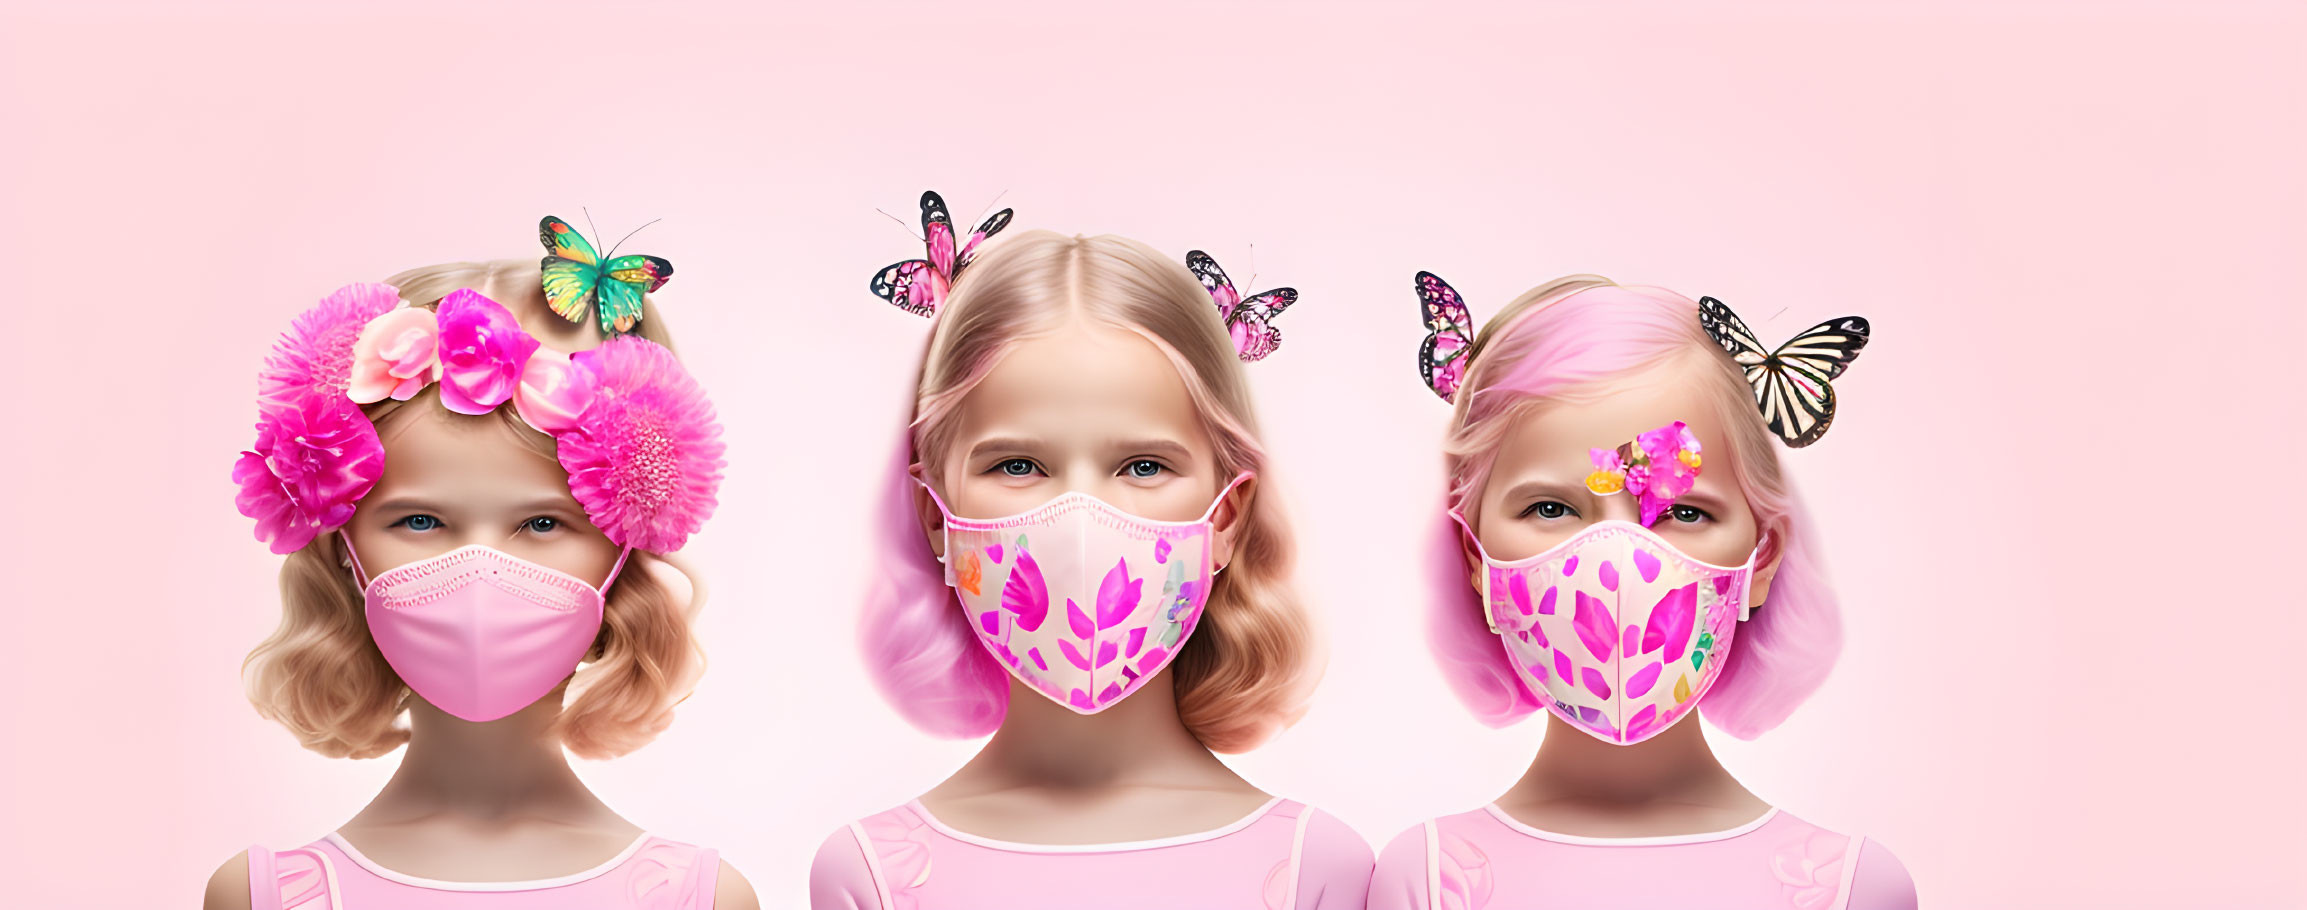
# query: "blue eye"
[1549,509]
[1015,467]
[541,524]
[418,523]
[1144,468]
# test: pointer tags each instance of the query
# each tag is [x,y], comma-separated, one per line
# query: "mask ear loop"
[1466,535]
[944,524]
[616,570]
[352,561]
[1212,511]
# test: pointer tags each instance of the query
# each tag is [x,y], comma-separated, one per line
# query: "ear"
[932,520]
[1229,518]
[1758,590]
[1473,560]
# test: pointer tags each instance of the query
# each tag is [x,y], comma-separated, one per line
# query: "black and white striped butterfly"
[1790,384]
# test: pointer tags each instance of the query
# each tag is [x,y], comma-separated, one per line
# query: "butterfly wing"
[1252,326]
[619,294]
[571,269]
[1214,280]
[1449,336]
[914,286]
[992,225]
[937,231]
[1791,383]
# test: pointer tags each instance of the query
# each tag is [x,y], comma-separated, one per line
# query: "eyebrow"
[411,501]
[1167,447]
[1529,488]
[1002,444]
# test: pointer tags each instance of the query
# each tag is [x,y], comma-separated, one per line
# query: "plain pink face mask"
[481,633]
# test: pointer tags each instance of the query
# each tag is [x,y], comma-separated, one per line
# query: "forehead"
[1081,376]
[430,447]
[1557,437]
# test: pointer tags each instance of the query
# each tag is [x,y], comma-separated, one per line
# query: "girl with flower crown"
[1621,550]
[475,524]
[1078,561]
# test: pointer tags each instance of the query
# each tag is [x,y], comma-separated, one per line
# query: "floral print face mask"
[1615,630]
[1082,601]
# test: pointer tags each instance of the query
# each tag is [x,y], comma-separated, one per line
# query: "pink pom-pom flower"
[311,465]
[644,459]
[483,351]
[314,357]
[397,355]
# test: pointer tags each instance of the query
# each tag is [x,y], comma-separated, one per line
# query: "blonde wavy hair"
[1247,671]
[320,674]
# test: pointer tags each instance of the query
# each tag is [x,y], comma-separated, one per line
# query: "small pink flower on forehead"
[1658,466]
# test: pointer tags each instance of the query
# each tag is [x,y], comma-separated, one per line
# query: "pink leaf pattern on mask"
[1546,601]
[1518,590]
[1642,721]
[1136,642]
[1609,576]
[1117,595]
[993,552]
[1109,693]
[1562,665]
[1162,550]
[1072,654]
[1079,620]
[1595,626]
[1646,564]
[1153,659]
[1079,699]
[990,621]
[1038,660]
[1642,680]
[1594,682]
[1537,634]
[1670,623]
[1106,652]
[1025,593]
[1628,640]
[1570,567]
[1722,585]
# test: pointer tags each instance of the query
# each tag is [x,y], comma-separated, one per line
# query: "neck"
[1675,766]
[499,770]
[1139,740]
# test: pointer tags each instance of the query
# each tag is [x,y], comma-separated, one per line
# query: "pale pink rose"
[396,356]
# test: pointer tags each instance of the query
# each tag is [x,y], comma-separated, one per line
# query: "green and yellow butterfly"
[577,281]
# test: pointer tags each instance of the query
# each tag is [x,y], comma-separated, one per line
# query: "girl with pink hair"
[1621,549]
[475,524]
[1079,558]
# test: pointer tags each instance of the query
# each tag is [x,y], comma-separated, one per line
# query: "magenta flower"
[483,352]
[645,458]
[314,357]
[396,356]
[554,392]
[311,466]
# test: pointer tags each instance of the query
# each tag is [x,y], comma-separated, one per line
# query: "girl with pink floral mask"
[475,524]
[1079,559]
[1622,552]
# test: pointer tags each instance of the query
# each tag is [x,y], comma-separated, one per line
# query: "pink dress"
[329,874]
[1486,859]
[1284,856]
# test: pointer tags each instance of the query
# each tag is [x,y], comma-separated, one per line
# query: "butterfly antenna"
[589,221]
[1774,316]
[1253,266]
[988,209]
[901,223]
[612,253]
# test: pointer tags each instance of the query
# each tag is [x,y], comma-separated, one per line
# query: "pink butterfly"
[1248,320]
[1449,336]
[917,286]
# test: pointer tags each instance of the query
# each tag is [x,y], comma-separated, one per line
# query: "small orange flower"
[970,572]
[1606,482]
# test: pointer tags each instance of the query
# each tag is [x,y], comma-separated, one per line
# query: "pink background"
[2062,494]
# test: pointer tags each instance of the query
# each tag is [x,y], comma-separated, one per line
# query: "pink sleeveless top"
[328,874]
[1486,859]
[1284,856]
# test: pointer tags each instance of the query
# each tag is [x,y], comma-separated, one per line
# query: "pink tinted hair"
[1245,673]
[1567,343]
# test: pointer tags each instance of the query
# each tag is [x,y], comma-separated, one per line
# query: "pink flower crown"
[634,431]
